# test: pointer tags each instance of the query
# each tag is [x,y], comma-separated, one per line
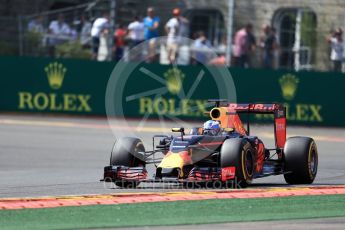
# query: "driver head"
[211,127]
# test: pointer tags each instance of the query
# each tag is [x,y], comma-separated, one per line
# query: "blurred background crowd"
[299,35]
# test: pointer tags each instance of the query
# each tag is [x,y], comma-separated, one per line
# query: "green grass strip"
[179,212]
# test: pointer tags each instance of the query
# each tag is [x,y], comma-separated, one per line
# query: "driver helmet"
[211,127]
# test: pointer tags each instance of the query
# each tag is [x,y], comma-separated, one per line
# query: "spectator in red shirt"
[119,41]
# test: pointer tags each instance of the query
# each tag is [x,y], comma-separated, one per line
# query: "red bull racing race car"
[221,151]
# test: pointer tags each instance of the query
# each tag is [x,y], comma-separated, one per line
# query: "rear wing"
[278,110]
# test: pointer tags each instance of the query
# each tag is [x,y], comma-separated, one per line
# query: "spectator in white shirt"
[172,30]
[36,24]
[136,31]
[337,49]
[100,25]
[59,32]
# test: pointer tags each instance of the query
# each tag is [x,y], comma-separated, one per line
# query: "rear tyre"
[301,160]
[127,152]
[239,153]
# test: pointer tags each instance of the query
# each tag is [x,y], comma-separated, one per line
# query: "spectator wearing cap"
[100,26]
[151,25]
[172,28]
[337,49]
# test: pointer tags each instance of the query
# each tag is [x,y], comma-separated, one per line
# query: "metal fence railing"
[299,29]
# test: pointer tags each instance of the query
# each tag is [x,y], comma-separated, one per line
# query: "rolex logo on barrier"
[174,78]
[55,74]
[295,110]
[48,101]
[173,106]
[289,85]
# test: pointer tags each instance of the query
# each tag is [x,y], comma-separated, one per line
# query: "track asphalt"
[49,156]
[56,156]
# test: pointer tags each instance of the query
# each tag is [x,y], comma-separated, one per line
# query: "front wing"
[139,174]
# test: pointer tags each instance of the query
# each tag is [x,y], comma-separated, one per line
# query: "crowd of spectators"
[94,36]
[60,32]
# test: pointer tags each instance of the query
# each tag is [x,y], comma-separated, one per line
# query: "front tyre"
[127,152]
[238,153]
[301,160]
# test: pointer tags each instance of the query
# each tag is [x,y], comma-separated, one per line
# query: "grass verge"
[179,212]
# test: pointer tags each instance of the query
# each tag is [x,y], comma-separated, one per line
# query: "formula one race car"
[222,151]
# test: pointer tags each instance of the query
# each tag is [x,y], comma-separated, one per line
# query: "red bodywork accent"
[185,155]
[131,174]
[280,129]
[279,118]
[235,122]
[228,173]
[260,157]
[204,174]
[198,176]
[256,108]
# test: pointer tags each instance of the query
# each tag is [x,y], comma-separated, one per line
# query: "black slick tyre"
[300,160]
[239,153]
[127,152]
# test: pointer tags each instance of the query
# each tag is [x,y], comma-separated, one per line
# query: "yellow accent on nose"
[174,160]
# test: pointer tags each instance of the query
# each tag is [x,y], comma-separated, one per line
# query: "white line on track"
[134,128]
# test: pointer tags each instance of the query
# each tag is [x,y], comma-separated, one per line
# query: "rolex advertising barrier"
[64,86]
